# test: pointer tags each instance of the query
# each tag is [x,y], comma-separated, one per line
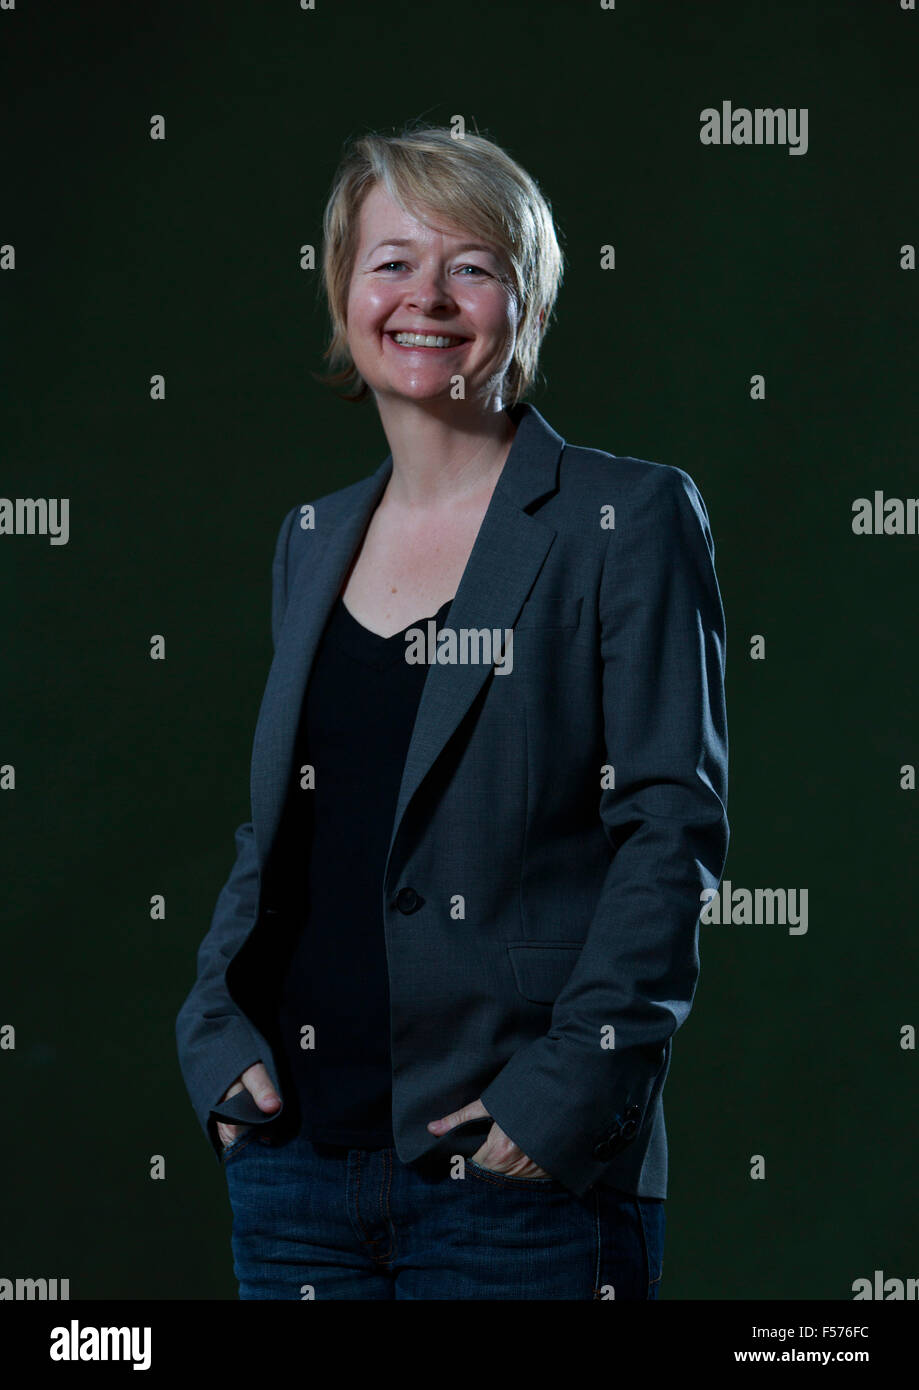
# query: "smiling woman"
[446,309]
[433,1015]
[484,219]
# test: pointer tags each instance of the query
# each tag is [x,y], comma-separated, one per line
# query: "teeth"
[424,340]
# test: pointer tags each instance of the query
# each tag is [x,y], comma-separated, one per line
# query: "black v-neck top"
[355,726]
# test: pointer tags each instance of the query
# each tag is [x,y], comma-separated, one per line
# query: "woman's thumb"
[260,1087]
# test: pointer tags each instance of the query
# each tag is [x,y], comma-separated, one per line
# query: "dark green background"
[181,257]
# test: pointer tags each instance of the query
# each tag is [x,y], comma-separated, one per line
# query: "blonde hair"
[470,183]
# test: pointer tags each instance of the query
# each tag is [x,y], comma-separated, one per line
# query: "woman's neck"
[443,451]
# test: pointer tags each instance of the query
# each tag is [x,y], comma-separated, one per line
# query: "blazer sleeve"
[215,1040]
[569,1099]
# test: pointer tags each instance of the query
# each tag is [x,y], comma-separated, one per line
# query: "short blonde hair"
[470,183]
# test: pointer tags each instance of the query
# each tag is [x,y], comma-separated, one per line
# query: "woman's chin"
[417,390]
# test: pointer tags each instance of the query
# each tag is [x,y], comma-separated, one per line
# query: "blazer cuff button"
[407,901]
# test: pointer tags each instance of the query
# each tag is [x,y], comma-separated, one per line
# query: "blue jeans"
[317,1221]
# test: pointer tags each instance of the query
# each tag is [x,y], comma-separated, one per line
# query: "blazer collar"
[508,553]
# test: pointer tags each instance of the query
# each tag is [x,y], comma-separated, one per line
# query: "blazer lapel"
[506,558]
[508,553]
[309,605]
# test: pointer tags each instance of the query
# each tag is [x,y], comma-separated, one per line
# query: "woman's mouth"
[438,341]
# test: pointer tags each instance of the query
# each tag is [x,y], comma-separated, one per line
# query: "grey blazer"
[556,826]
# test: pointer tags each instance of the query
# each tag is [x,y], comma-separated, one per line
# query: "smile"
[426,340]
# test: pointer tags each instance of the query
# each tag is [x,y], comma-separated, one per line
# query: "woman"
[433,1014]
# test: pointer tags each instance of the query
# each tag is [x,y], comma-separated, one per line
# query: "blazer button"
[408,901]
[631,1122]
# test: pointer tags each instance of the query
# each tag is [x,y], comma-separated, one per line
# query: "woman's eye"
[389,265]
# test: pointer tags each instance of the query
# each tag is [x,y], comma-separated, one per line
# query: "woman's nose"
[430,291]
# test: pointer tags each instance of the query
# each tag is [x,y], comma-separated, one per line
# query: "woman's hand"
[499,1152]
[256,1081]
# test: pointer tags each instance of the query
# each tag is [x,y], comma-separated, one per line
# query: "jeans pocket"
[507,1180]
[238,1144]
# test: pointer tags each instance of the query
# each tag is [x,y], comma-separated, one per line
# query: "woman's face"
[409,277]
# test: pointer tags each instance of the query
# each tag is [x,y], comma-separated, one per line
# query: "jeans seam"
[383,1257]
[640,1209]
[599,1244]
[385,1212]
[357,1200]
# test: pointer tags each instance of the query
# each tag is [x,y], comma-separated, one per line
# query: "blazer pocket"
[549,613]
[541,971]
